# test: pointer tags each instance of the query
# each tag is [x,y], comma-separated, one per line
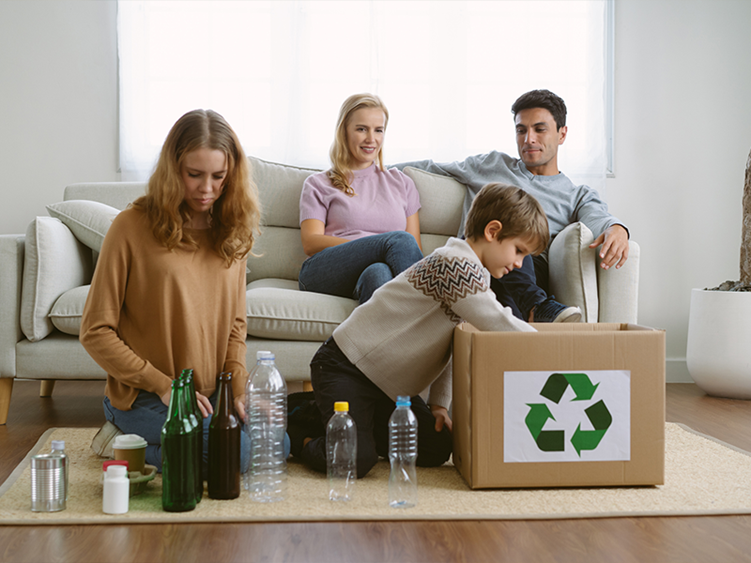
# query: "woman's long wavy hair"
[234,217]
[340,173]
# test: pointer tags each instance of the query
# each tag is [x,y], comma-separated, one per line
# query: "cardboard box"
[572,405]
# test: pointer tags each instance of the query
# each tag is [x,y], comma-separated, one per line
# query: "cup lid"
[129,442]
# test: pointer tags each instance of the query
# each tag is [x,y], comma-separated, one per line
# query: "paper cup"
[131,448]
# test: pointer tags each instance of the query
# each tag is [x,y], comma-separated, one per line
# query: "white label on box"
[566,416]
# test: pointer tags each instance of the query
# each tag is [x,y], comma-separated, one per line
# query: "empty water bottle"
[403,455]
[58,448]
[341,453]
[266,405]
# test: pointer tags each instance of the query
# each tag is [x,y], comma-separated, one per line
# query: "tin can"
[48,483]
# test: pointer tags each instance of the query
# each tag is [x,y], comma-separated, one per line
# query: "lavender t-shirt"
[381,204]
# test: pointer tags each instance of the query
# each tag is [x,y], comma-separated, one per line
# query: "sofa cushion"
[54,262]
[573,270]
[89,221]
[441,198]
[278,309]
[279,187]
[67,310]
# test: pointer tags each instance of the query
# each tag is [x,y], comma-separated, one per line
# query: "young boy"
[399,342]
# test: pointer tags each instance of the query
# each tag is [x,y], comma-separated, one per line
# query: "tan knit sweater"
[152,312]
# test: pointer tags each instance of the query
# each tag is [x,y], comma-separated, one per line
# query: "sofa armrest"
[572,270]
[11,276]
[619,290]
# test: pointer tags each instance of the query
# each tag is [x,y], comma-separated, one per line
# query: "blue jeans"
[147,416]
[519,289]
[357,268]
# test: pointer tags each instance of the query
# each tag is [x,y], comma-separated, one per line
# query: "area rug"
[702,476]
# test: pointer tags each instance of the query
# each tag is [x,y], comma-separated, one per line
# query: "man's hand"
[614,251]
[441,418]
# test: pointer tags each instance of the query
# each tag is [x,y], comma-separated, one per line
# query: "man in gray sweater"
[540,120]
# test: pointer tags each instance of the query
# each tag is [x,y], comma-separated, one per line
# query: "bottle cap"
[341,406]
[225,375]
[123,462]
[264,355]
[117,471]
[58,444]
[403,401]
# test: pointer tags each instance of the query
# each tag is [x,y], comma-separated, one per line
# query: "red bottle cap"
[107,463]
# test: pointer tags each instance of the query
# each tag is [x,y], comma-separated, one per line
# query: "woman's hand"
[240,407]
[314,239]
[204,405]
[442,418]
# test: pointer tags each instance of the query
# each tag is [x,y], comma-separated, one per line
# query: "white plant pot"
[718,353]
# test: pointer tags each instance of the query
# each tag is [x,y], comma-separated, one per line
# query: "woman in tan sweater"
[168,292]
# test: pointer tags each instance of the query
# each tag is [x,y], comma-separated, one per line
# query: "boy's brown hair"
[519,213]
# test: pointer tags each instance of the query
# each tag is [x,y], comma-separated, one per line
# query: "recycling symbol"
[539,413]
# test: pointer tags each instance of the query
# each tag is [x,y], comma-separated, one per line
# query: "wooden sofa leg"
[6,388]
[307,386]
[45,389]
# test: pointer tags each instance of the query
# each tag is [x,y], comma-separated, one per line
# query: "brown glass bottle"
[224,444]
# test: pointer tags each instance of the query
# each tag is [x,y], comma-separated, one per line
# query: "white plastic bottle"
[341,453]
[58,449]
[116,490]
[403,455]
[266,403]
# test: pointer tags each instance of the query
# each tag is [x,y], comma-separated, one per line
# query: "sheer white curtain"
[278,71]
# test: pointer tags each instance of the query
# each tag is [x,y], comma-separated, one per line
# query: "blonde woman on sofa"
[168,292]
[358,221]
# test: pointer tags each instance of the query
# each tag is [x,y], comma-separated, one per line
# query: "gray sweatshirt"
[563,202]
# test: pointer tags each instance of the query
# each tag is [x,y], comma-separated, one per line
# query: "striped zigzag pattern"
[447,279]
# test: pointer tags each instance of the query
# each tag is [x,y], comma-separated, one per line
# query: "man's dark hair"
[542,99]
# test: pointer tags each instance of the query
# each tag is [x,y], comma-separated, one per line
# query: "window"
[447,70]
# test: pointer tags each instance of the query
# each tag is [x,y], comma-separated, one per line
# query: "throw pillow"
[573,270]
[54,262]
[88,220]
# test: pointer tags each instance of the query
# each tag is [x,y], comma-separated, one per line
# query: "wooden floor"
[680,539]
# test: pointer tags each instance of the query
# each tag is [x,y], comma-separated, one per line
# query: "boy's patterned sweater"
[401,338]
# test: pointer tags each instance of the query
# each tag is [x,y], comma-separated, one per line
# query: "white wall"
[683,131]
[58,102]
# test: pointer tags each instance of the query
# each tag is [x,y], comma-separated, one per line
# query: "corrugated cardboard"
[479,362]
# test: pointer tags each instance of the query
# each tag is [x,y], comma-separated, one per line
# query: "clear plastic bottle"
[341,453]
[58,449]
[266,404]
[403,455]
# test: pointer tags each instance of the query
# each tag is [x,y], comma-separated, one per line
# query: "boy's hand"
[441,418]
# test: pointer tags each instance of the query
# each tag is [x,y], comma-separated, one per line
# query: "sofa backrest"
[278,251]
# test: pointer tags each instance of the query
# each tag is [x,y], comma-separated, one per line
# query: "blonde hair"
[236,213]
[520,214]
[341,158]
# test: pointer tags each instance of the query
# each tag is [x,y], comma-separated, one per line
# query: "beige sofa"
[44,277]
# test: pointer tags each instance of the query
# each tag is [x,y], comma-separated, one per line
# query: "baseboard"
[676,371]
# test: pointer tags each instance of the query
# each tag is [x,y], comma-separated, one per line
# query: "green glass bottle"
[197,420]
[224,444]
[178,453]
